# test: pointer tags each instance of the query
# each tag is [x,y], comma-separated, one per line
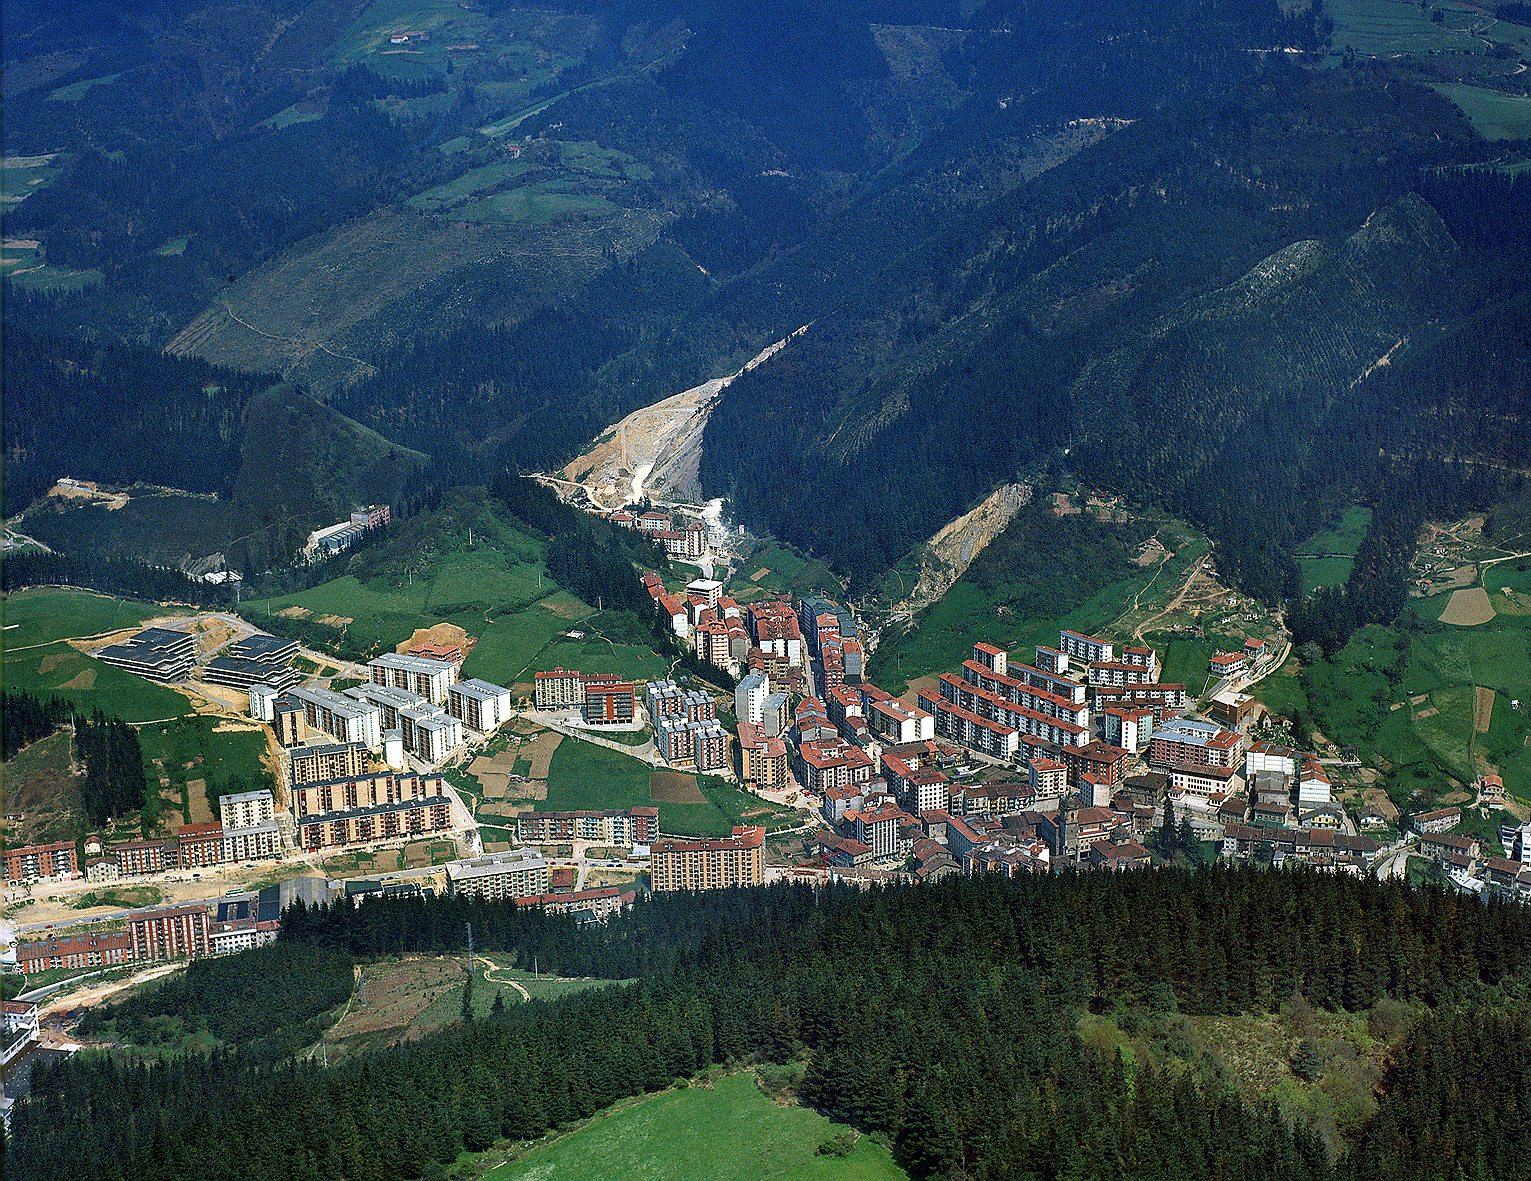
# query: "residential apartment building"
[1438,821]
[877,828]
[558,688]
[699,745]
[1021,718]
[29,862]
[428,731]
[170,933]
[972,730]
[1103,763]
[762,759]
[709,864]
[609,700]
[1190,743]
[75,951]
[256,660]
[831,762]
[595,905]
[500,875]
[635,826]
[750,697]
[367,808]
[1129,727]
[199,844]
[140,857]
[315,764]
[478,705]
[346,719]
[1085,649]
[423,677]
[247,809]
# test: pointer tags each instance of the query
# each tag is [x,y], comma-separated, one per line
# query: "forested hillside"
[941,1016]
[1129,239]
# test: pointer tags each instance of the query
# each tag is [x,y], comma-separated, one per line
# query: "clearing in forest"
[1468,607]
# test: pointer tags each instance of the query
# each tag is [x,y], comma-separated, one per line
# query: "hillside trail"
[489,975]
[1175,600]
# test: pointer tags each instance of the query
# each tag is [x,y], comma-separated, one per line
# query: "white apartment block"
[750,697]
[419,675]
[345,719]
[1086,649]
[514,874]
[248,809]
[479,705]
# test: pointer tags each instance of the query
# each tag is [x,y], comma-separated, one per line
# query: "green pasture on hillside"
[1352,699]
[722,1132]
[585,776]
[1326,558]
[1493,114]
[57,670]
[25,175]
[508,645]
[536,204]
[965,615]
[1383,27]
[40,615]
[460,188]
[75,91]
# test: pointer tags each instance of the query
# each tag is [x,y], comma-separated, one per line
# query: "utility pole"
[470,949]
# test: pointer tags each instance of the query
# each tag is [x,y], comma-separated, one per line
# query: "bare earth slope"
[653,451]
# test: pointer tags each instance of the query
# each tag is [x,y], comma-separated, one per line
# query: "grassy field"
[1185,661]
[1409,697]
[24,175]
[57,670]
[584,776]
[38,788]
[419,995]
[459,189]
[491,594]
[75,91]
[1384,27]
[948,631]
[40,615]
[1493,114]
[536,204]
[725,1131]
[1326,558]
[787,570]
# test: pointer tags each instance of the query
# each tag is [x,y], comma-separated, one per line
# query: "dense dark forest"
[586,554]
[27,718]
[266,1001]
[114,782]
[114,576]
[937,1015]
[97,410]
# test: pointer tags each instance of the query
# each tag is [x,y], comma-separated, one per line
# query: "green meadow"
[585,776]
[721,1132]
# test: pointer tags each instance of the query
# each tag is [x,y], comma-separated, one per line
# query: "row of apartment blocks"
[184,931]
[247,830]
[604,699]
[680,537]
[411,703]
[735,860]
[634,826]
[369,807]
